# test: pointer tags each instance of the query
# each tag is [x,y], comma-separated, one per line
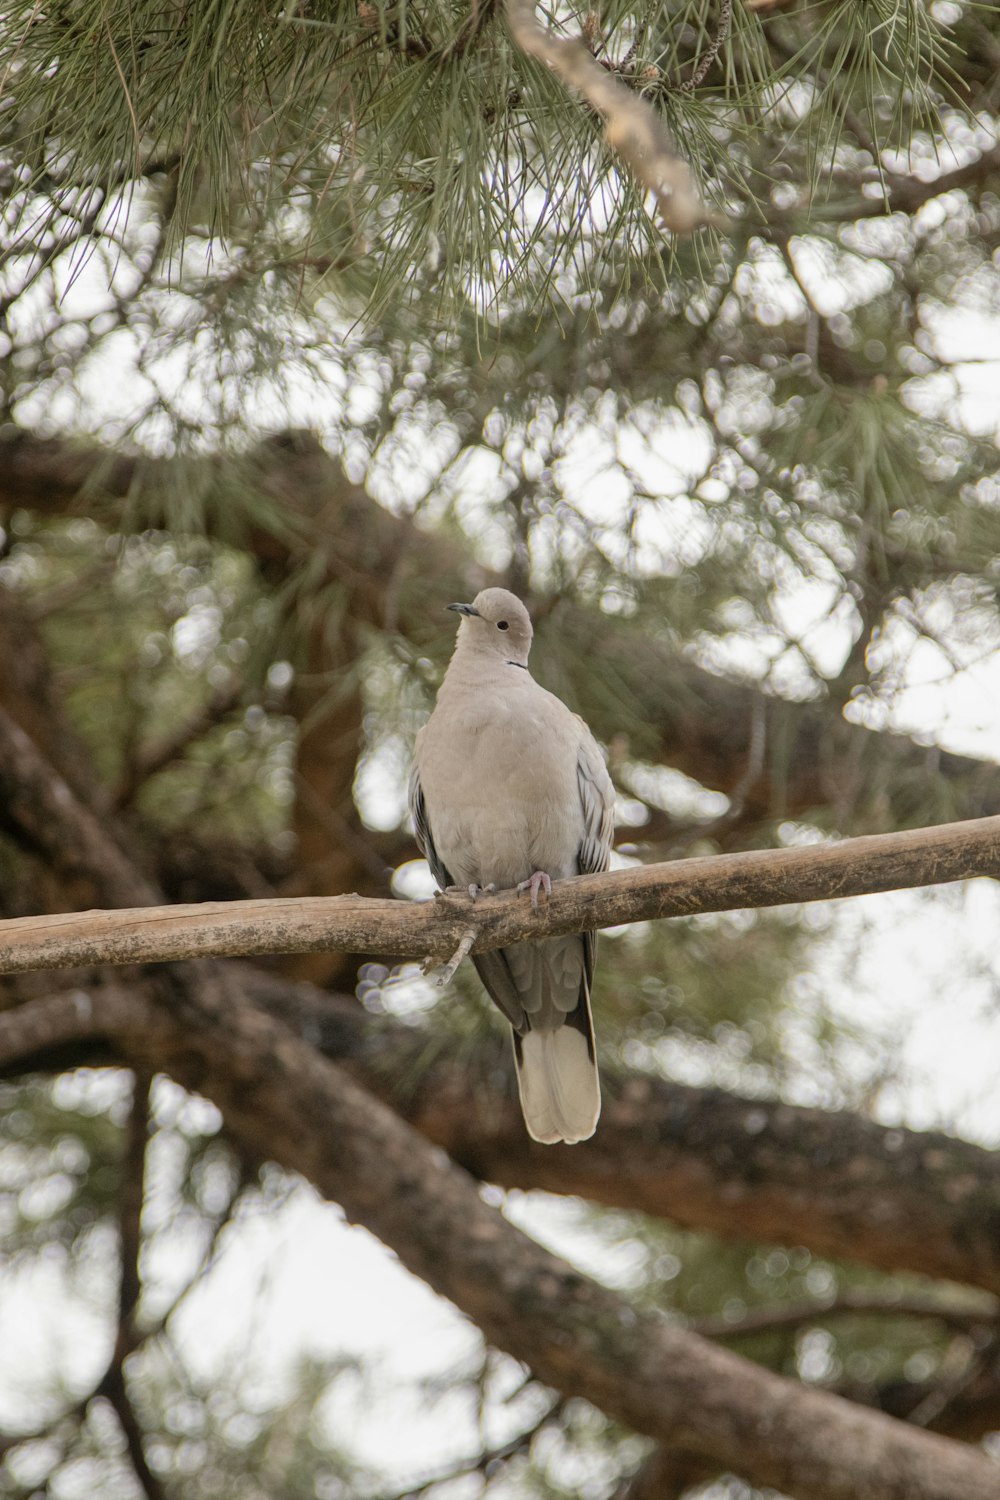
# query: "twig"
[712,51]
[845,1304]
[632,127]
[462,951]
[500,1454]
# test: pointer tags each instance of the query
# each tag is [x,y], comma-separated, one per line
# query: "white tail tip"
[558,1083]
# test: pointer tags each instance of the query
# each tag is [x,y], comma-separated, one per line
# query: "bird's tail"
[558,1083]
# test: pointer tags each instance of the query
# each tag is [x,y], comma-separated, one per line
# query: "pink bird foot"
[535,883]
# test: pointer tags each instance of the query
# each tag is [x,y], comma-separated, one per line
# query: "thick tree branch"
[708,727]
[744,1169]
[964,1406]
[39,806]
[281,1099]
[274,1091]
[726,882]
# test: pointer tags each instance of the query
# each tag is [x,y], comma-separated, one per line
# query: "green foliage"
[708,1285]
[162,647]
[61,1143]
[383,145]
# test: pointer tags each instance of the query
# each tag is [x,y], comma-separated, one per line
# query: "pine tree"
[316,317]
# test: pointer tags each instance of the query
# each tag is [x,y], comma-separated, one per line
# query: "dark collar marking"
[517,664]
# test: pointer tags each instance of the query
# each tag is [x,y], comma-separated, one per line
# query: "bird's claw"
[539,881]
[473,891]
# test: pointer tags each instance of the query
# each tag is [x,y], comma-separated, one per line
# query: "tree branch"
[275,1092]
[726,882]
[40,808]
[115,1391]
[742,1168]
[282,1100]
[887,1197]
[130,1210]
[632,126]
[851,1303]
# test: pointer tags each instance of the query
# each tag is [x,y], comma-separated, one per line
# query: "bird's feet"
[539,881]
[473,891]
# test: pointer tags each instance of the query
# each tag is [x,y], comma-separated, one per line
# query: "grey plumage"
[506,782]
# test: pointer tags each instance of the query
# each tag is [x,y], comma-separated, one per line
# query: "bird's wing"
[597,798]
[422,829]
[557,1063]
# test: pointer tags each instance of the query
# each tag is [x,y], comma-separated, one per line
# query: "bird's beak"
[464,609]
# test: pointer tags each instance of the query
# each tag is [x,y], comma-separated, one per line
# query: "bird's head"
[496,622]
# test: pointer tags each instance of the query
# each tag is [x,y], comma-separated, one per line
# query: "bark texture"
[681,888]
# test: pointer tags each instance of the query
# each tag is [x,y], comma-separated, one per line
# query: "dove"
[509,789]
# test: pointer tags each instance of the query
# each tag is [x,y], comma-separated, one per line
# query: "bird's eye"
[502,625]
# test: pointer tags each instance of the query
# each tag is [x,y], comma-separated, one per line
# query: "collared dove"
[510,789]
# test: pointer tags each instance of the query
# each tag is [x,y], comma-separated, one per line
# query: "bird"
[509,789]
